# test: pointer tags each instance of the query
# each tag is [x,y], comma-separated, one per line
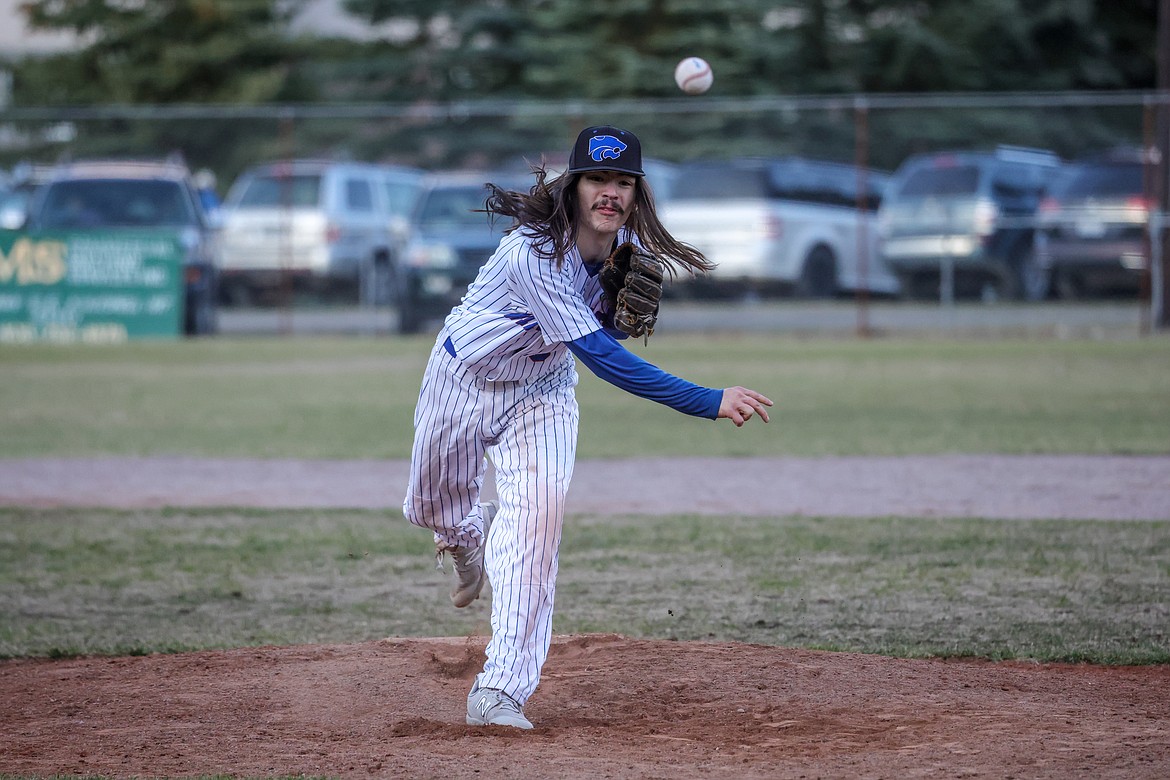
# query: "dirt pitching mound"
[608,706]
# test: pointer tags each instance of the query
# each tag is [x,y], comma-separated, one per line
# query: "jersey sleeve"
[612,362]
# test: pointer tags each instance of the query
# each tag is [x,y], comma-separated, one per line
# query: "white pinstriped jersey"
[513,322]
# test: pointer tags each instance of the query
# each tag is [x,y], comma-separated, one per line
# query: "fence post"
[288,151]
[864,217]
[1161,238]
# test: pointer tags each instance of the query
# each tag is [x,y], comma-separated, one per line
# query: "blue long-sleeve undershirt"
[609,360]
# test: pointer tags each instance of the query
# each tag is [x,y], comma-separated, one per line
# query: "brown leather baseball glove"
[632,280]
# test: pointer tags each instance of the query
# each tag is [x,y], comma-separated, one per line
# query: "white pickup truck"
[785,224]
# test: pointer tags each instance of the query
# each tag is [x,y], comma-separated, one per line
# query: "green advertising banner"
[90,286]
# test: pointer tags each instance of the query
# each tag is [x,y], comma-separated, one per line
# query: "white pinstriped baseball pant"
[529,430]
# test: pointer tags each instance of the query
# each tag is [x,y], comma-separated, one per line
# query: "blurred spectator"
[205,185]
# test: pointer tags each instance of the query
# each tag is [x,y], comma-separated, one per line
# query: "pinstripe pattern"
[520,307]
[508,396]
[529,430]
[534,463]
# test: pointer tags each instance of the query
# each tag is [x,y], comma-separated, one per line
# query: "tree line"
[241,52]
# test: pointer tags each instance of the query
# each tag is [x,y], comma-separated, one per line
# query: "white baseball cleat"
[469,571]
[489,707]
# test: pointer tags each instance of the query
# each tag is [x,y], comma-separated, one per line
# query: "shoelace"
[500,700]
[506,703]
[440,550]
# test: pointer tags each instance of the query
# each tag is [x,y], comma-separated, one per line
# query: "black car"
[450,239]
[1091,230]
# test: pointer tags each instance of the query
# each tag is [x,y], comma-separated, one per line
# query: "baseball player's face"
[604,199]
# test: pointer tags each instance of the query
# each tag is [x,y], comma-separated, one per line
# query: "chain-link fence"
[488,133]
[876,134]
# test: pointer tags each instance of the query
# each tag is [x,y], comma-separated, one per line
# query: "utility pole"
[1161,294]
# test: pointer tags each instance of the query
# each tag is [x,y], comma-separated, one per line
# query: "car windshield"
[1104,180]
[827,183]
[453,207]
[116,203]
[808,181]
[401,196]
[710,181]
[293,190]
[942,180]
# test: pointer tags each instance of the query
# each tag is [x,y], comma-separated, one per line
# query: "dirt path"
[1023,487]
[608,706]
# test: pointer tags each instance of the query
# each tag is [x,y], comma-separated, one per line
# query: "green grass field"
[100,581]
[354,398]
[97,581]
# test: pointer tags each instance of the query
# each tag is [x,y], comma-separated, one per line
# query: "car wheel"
[389,287]
[374,282]
[1069,287]
[818,278]
[410,318]
[1035,280]
[201,317]
[237,293]
[408,306]
[918,286]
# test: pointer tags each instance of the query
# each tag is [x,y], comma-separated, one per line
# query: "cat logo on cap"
[605,147]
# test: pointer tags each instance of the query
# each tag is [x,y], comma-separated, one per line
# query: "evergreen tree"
[168,51]
[240,52]
[163,51]
[1005,45]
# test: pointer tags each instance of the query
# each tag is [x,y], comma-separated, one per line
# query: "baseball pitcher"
[580,269]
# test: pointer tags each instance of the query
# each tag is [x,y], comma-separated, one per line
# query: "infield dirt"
[608,706]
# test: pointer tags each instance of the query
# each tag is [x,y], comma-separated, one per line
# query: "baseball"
[693,75]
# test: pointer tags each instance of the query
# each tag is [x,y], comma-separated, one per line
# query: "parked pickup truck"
[780,225]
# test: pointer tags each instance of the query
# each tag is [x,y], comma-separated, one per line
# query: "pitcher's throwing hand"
[740,403]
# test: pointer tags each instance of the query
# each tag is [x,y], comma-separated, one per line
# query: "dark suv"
[1091,229]
[965,218]
[450,238]
[117,196]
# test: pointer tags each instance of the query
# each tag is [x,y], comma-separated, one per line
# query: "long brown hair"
[549,209]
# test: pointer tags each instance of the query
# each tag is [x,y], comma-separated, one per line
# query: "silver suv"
[317,225]
[961,223]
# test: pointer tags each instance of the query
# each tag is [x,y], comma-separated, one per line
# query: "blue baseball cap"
[606,148]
